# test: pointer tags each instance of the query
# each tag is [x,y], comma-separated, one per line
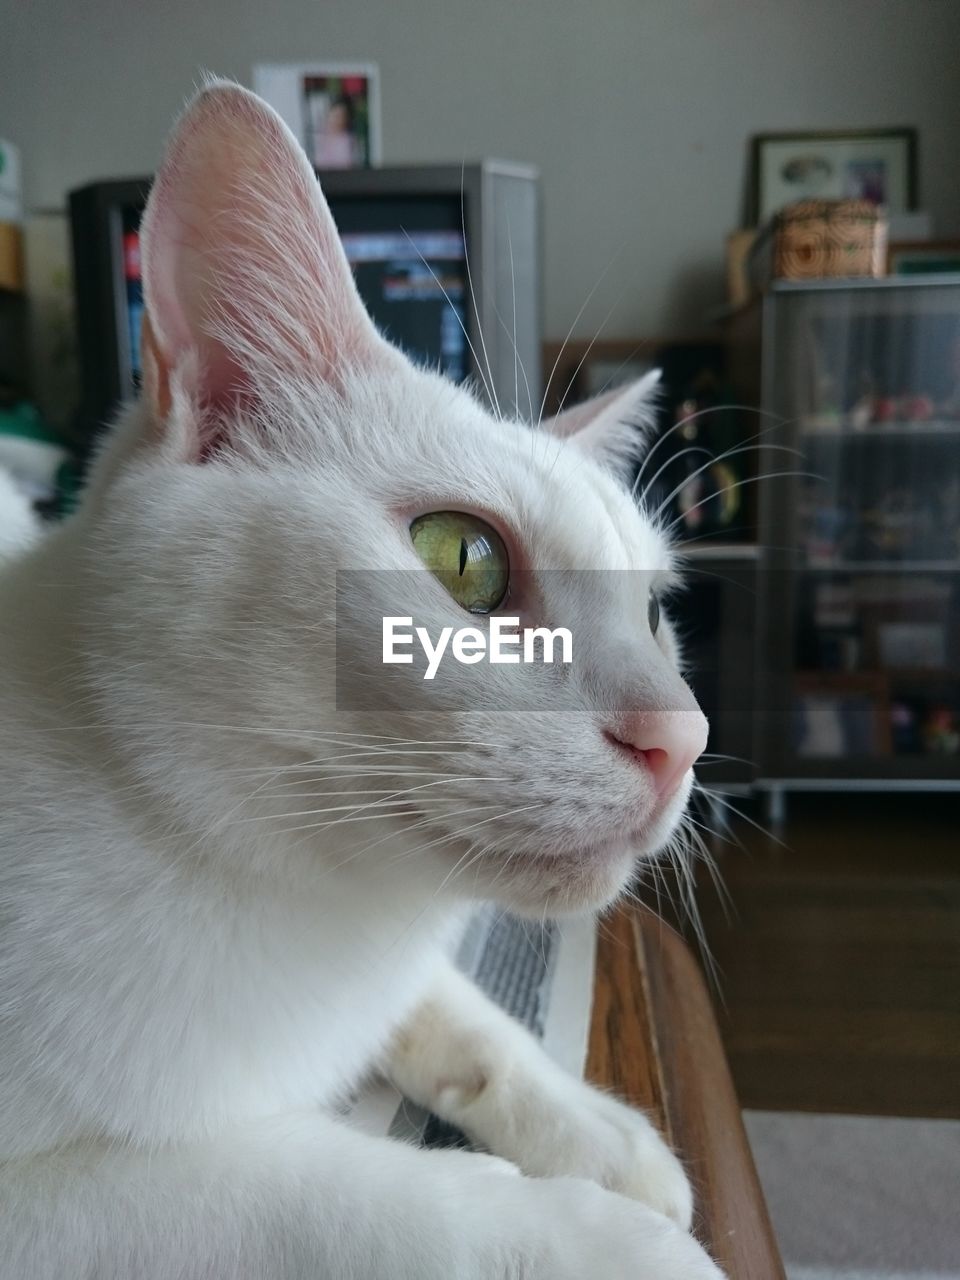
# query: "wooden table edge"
[654,1041]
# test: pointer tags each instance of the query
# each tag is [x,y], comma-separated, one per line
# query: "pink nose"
[667,743]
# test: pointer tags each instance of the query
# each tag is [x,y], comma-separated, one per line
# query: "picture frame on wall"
[333,109]
[879,165]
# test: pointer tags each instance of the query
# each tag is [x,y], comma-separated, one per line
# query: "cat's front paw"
[587,1134]
[574,1229]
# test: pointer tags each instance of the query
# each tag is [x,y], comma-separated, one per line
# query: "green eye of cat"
[466,555]
[653,613]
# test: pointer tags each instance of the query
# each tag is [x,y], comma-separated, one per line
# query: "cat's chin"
[587,878]
[558,883]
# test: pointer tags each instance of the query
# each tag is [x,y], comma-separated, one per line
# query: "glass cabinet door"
[862,628]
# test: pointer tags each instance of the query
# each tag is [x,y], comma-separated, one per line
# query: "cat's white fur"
[196,959]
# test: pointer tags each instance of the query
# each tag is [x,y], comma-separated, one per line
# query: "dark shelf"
[814,428]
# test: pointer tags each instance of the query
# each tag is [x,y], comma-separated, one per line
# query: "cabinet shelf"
[876,681]
[844,431]
[882,566]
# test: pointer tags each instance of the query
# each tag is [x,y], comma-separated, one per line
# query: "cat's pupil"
[653,613]
[463,555]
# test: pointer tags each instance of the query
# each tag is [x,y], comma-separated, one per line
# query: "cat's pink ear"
[614,427]
[245,279]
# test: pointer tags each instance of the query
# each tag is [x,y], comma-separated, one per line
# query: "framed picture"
[877,165]
[332,108]
[923,257]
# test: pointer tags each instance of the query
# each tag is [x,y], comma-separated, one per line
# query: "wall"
[637,111]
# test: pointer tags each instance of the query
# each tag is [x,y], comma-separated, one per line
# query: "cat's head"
[260,513]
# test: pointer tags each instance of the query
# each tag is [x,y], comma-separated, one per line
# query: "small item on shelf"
[829,411]
[885,409]
[861,415]
[940,732]
[829,532]
[892,525]
[818,239]
[835,725]
[917,408]
[861,411]
[904,728]
[819,729]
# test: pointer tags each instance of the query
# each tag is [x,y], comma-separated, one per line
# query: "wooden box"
[820,239]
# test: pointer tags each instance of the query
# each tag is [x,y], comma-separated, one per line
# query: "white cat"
[222,899]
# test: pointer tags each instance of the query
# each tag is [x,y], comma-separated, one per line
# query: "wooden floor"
[839,986]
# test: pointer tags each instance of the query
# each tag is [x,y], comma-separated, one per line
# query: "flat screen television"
[446,259]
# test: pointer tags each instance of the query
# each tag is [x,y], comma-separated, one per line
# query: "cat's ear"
[614,427]
[244,276]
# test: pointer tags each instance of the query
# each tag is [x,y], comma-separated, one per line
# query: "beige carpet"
[861,1197]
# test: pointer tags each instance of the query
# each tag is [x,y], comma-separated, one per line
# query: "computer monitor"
[446,259]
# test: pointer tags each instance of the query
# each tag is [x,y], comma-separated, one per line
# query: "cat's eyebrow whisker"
[516,349]
[590,345]
[512,338]
[711,462]
[473,296]
[563,345]
[700,413]
[769,475]
[674,457]
[473,351]
[744,446]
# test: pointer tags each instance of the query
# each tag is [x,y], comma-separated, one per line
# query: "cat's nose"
[668,743]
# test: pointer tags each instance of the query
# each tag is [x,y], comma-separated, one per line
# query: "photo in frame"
[333,109]
[877,165]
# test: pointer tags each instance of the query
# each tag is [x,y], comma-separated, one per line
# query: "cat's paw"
[575,1228]
[587,1134]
